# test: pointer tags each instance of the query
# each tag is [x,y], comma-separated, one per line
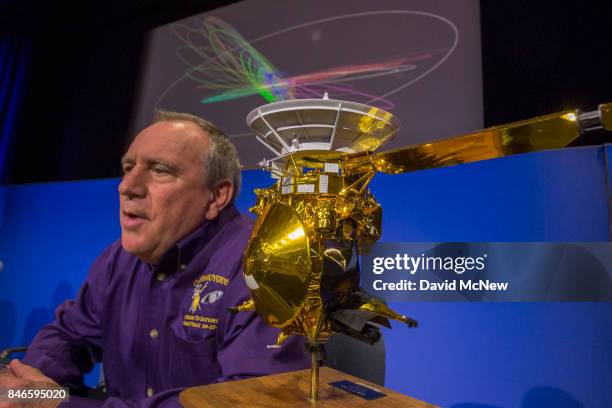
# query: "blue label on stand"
[359,390]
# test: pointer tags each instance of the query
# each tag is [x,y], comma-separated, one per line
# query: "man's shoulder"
[223,252]
[245,222]
[239,228]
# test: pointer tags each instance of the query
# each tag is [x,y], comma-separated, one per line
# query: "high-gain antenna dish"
[291,126]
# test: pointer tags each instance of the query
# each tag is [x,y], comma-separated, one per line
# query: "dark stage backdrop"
[537,57]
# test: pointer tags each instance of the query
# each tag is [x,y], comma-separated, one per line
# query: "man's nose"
[133,184]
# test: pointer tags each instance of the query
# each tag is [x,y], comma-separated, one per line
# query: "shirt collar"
[181,253]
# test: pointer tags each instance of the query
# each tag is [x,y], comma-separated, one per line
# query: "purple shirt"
[160,328]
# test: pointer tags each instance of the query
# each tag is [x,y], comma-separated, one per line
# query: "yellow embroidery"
[195,298]
[211,277]
[200,322]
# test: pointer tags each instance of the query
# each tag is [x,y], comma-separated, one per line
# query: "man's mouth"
[132,219]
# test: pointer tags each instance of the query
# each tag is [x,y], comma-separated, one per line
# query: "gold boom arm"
[541,133]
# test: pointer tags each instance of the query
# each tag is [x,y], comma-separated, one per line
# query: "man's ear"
[221,196]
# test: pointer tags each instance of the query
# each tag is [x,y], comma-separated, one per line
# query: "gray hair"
[221,161]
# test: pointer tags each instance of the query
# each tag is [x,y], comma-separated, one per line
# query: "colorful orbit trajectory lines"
[225,66]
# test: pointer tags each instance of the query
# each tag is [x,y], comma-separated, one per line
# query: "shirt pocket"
[195,361]
[204,347]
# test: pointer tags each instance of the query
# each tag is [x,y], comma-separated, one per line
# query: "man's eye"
[160,171]
[126,169]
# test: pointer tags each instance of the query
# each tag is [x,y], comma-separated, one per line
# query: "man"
[154,306]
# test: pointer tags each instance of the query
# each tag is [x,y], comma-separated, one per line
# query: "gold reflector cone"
[277,265]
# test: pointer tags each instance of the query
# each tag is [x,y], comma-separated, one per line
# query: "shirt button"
[161,276]
[183,267]
[149,392]
[153,333]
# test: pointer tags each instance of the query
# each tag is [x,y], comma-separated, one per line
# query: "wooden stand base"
[291,390]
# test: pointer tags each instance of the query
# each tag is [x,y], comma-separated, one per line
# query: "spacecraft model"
[301,264]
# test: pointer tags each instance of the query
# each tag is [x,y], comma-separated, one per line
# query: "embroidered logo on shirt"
[211,277]
[200,322]
[195,298]
[211,297]
[200,297]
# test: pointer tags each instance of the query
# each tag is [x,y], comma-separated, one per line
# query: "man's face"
[163,196]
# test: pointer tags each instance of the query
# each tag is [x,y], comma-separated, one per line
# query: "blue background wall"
[464,354]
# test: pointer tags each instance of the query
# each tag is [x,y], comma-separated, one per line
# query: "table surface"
[291,389]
